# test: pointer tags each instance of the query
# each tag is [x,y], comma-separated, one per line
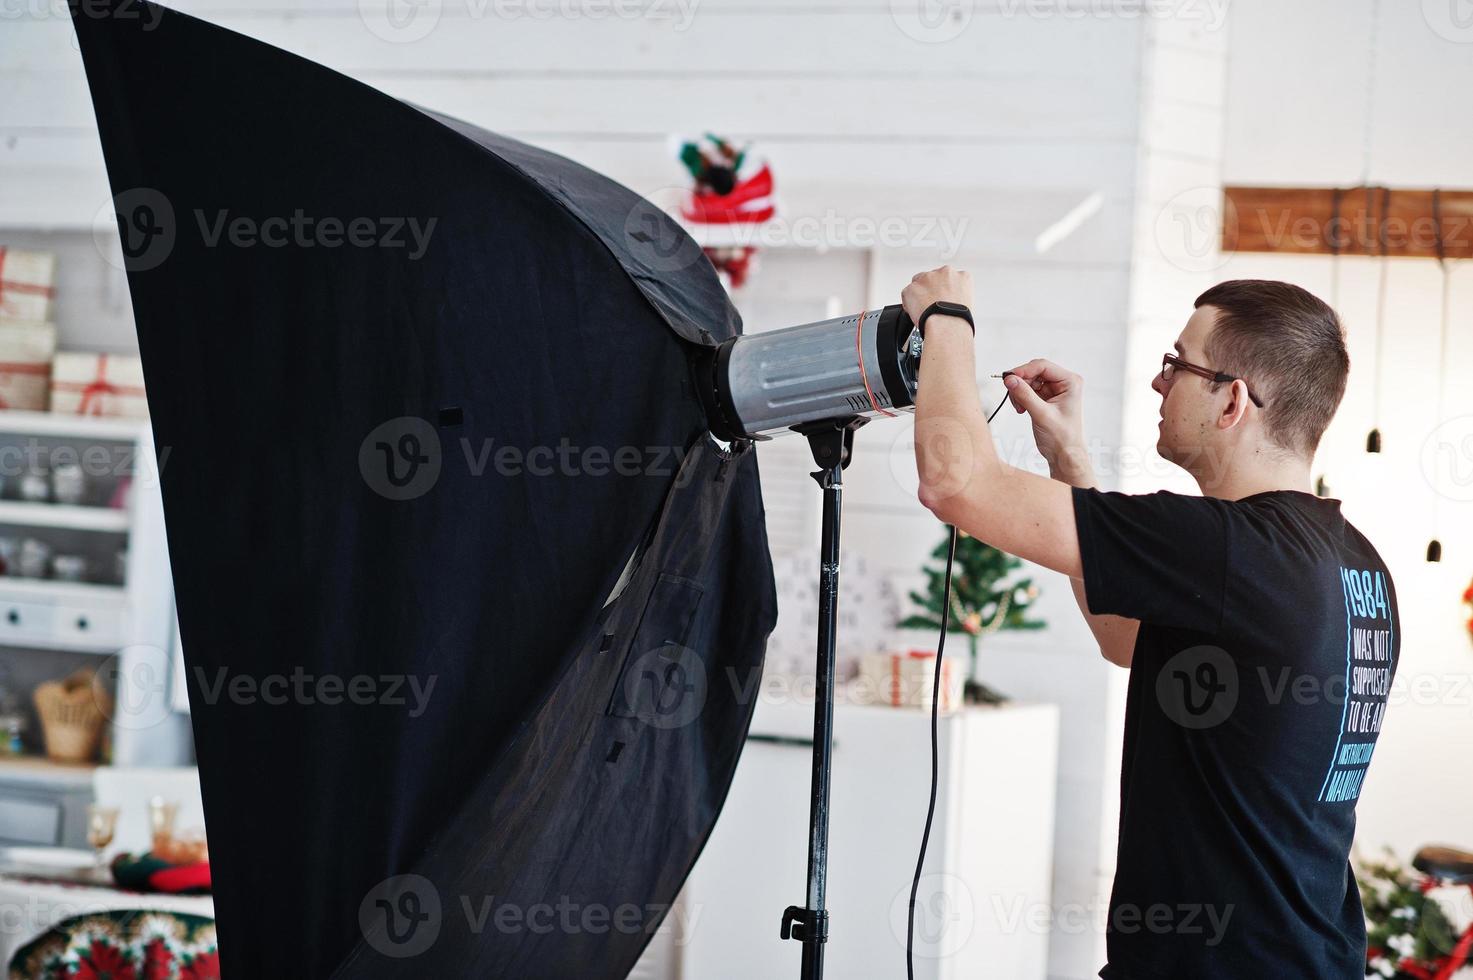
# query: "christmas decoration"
[733,193]
[907,680]
[1409,935]
[26,350]
[27,285]
[150,872]
[984,599]
[122,944]
[87,383]
[1468,601]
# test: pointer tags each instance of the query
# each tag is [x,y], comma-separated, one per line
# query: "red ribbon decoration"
[96,388]
[706,208]
[29,288]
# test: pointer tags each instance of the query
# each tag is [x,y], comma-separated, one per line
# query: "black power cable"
[915,884]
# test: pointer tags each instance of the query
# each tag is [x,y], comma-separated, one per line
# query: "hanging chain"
[1447,280]
[1446,297]
[1373,40]
[1383,284]
[1335,241]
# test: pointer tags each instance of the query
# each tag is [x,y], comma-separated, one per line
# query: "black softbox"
[472,607]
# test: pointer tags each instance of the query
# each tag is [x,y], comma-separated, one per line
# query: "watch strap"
[945,309]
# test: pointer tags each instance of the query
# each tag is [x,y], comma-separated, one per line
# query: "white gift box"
[27,284]
[85,383]
[25,364]
[906,680]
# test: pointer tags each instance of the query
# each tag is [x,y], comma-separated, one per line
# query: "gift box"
[906,680]
[27,284]
[26,350]
[84,383]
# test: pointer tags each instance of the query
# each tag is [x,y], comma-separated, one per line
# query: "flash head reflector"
[761,385]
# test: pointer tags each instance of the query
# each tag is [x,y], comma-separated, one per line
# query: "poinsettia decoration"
[122,945]
[733,192]
[101,960]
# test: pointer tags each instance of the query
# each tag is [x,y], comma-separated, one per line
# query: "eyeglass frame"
[1211,374]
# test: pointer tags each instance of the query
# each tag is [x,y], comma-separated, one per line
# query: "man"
[1245,615]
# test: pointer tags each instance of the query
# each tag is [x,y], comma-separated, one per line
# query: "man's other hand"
[1053,398]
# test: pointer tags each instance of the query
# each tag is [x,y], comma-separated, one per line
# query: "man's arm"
[962,479]
[1053,399]
[1115,634]
[963,482]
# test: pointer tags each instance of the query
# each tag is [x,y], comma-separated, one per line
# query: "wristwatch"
[945,309]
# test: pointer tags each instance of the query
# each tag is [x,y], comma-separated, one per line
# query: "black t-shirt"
[1243,755]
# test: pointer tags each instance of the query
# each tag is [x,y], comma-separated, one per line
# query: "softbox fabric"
[472,607]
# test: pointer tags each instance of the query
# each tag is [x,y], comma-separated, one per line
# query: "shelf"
[70,426]
[63,515]
[38,768]
[61,593]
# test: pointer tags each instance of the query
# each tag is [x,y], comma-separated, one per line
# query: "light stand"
[832,443]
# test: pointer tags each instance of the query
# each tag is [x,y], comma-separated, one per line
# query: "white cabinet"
[123,609]
[43,803]
[984,899]
[62,615]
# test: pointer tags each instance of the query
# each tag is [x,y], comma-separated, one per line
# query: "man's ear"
[1237,405]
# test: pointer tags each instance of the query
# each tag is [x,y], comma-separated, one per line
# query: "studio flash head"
[760,385]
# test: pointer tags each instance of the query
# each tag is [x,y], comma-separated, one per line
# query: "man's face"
[1189,431]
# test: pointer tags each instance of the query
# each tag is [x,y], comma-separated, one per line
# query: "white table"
[987,875]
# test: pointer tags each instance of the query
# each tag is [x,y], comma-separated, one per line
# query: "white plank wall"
[840,95]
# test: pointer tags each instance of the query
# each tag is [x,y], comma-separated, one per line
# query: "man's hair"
[1289,347]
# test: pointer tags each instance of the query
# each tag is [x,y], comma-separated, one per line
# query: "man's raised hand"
[944,284]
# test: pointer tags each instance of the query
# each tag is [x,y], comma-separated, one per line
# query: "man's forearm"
[963,481]
[1074,468]
[953,447]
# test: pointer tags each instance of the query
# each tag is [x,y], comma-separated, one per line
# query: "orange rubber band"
[864,375]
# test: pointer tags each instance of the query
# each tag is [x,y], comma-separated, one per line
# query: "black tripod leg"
[823,724]
[831,443]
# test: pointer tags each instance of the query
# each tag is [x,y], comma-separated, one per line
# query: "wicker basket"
[73,712]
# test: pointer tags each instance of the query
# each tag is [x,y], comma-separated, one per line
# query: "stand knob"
[805,925]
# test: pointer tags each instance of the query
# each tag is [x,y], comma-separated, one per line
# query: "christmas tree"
[984,599]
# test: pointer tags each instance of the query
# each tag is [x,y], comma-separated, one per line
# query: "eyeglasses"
[1170,362]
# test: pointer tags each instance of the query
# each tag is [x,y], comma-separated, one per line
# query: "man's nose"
[1158,385]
